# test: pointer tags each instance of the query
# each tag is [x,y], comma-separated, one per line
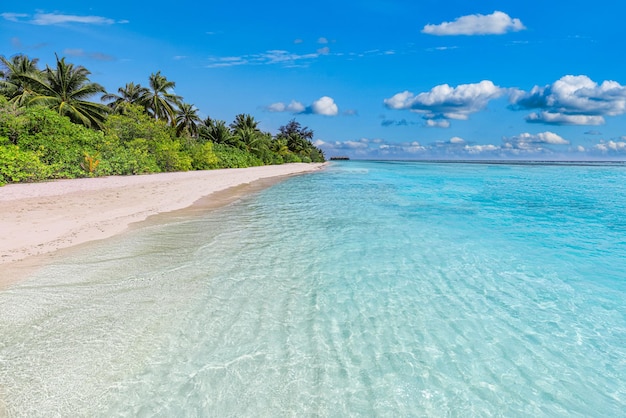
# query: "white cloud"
[275,56]
[611,147]
[437,123]
[13,17]
[322,40]
[324,106]
[572,100]
[447,102]
[60,19]
[479,149]
[324,51]
[454,148]
[47,19]
[293,107]
[550,118]
[442,48]
[526,140]
[497,23]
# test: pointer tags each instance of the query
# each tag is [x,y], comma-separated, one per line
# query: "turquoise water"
[369,289]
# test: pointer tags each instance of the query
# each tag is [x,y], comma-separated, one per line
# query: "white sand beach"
[40,218]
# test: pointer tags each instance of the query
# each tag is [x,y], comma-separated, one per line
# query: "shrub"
[231,157]
[18,165]
[202,156]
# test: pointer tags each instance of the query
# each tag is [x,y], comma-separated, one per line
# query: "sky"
[394,79]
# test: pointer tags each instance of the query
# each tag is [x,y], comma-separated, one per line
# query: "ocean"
[370,288]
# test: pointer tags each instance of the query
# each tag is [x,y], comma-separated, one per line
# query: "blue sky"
[412,79]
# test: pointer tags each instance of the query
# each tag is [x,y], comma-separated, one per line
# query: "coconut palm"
[244,121]
[248,137]
[216,131]
[187,120]
[65,89]
[130,94]
[161,103]
[13,84]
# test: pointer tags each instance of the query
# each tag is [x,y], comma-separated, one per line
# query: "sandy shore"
[41,218]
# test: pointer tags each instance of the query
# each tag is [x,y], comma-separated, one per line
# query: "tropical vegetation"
[57,123]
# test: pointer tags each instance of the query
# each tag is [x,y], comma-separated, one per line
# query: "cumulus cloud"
[611,147]
[445,102]
[527,146]
[528,141]
[480,149]
[293,107]
[572,100]
[47,19]
[323,106]
[497,23]
[361,147]
[437,123]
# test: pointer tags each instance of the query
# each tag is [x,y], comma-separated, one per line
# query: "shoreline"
[39,219]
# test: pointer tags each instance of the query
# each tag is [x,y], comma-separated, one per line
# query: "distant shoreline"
[41,218]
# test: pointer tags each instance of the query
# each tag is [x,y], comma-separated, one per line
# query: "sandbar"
[41,218]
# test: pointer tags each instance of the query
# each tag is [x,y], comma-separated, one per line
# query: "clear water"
[369,289]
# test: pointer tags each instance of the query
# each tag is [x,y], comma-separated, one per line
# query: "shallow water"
[368,289]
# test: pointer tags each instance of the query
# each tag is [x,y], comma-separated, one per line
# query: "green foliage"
[47,129]
[136,123]
[161,103]
[65,89]
[131,94]
[15,84]
[18,165]
[203,156]
[231,157]
[298,141]
[122,160]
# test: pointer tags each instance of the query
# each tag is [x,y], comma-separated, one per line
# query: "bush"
[202,156]
[126,161]
[231,157]
[17,165]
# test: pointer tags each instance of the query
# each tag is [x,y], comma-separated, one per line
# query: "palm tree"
[248,137]
[65,89]
[244,121]
[246,131]
[216,131]
[13,84]
[161,103]
[130,94]
[187,120]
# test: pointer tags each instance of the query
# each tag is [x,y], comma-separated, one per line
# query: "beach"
[41,218]
[368,287]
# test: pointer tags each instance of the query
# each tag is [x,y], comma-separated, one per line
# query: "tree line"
[51,127]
